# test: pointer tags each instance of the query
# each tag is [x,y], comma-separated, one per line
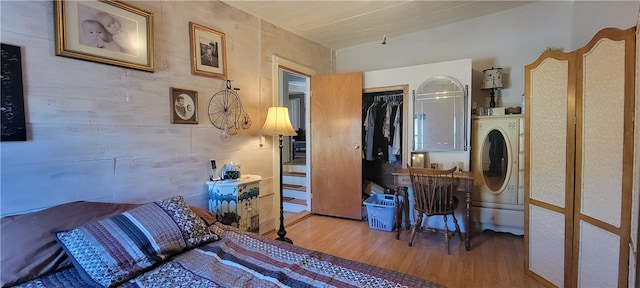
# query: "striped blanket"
[243,259]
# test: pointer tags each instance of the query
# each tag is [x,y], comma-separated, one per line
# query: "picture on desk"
[419,159]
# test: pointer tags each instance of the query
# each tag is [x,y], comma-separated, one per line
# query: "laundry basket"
[380,211]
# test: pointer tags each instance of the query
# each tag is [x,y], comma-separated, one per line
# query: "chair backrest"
[433,190]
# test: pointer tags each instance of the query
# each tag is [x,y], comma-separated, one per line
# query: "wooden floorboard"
[495,259]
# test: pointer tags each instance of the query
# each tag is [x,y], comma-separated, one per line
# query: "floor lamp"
[278,124]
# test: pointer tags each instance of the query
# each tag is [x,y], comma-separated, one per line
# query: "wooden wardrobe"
[579,161]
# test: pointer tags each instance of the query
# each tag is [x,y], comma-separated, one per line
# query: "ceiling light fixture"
[384,39]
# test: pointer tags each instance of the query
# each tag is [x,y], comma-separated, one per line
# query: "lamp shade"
[492,78]
[278,122]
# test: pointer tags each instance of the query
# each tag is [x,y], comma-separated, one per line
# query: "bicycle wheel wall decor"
[226,112]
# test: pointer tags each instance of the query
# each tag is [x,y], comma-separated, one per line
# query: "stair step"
[294,194]
[294,208]
[294,178]
[295,174]
[294,187]
[294,168]
[294,201]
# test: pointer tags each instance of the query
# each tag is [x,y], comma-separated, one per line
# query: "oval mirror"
[495,154]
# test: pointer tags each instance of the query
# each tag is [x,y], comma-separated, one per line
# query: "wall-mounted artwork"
[208,53]
[184,106]
[12,109]
[109,32]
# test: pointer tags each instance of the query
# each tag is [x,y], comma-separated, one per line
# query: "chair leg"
[455,221]
[446,233]
[415,227]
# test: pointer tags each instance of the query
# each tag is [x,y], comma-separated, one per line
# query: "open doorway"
[292,82]
[294,90]
[297,86]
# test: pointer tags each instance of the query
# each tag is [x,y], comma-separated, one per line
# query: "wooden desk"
[464,184]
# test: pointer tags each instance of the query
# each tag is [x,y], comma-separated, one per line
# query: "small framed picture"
[208,53]
[419,159]
[109,32]
[184,106]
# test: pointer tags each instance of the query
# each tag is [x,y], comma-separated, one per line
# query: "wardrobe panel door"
[598,258]
[602,131]
[605,104]
[599,158]
[546,244]
[548,172]
[548,124]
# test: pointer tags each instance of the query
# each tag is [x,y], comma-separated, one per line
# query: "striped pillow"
[116,249]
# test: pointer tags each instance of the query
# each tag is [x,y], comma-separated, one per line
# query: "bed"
[166,243]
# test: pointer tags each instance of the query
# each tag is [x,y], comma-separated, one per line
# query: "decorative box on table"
[235,201]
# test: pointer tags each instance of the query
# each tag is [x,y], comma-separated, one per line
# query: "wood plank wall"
[103,133]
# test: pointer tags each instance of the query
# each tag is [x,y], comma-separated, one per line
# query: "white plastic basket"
[380,211]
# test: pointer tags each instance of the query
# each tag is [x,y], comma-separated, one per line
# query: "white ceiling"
[340,24]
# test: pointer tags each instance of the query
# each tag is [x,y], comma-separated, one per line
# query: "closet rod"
[392,97]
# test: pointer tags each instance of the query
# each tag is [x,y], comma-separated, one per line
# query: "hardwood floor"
[495,259]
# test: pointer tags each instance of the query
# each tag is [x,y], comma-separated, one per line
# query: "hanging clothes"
[382,129]
[397,125]
[369,127]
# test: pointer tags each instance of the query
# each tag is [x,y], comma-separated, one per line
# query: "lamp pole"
[492,92]
[281,231]
[278,123]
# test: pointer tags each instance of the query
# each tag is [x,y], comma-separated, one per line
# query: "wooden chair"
[433,195]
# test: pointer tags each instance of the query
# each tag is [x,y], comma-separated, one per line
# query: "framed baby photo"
[184,106]
[208,53]
[109,32]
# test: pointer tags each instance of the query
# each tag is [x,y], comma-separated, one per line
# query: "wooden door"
[336,155]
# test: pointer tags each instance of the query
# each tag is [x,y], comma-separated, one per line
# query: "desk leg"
[402,210]
[467,218]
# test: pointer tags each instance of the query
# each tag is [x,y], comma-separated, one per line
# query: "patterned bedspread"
[242,259]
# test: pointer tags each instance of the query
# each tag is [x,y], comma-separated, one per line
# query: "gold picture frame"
[184,106]
[105,31]
[419,159]
[208,52]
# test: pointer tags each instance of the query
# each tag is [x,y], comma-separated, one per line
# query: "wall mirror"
[439,115]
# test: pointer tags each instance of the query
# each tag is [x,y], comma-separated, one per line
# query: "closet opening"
[382,139]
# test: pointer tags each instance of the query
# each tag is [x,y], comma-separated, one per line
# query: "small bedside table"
[235,202]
